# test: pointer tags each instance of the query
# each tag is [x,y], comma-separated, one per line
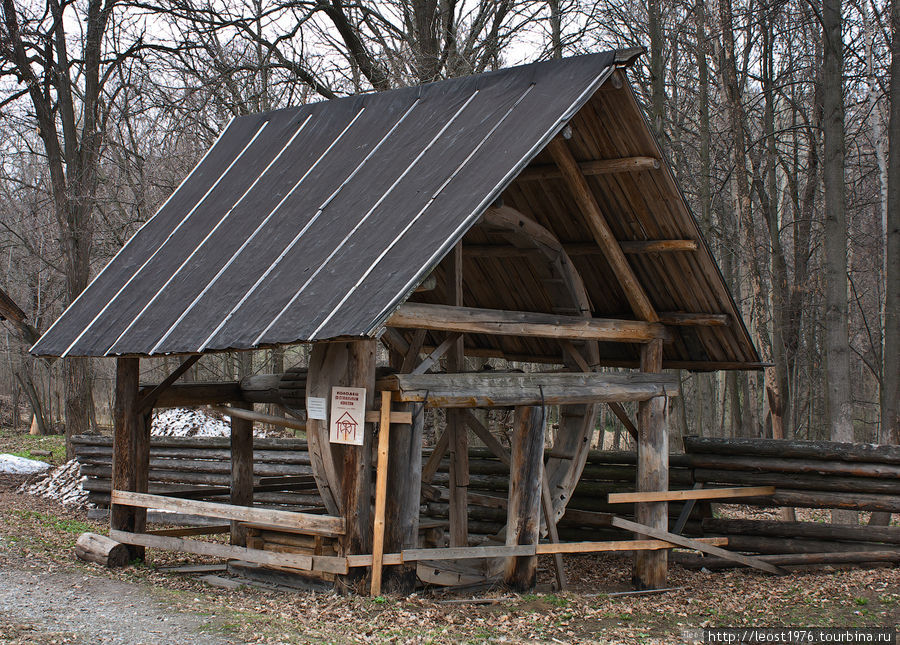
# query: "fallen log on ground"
[690,561]
[92,547]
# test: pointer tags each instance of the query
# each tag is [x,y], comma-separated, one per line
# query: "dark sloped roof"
[316,222]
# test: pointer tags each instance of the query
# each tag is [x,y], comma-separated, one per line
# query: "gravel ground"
[37,606]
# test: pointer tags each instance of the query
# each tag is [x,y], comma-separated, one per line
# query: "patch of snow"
[187,422]
[63,483]
[183,422]
[11,464]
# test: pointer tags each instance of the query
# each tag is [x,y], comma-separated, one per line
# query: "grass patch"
[21,444]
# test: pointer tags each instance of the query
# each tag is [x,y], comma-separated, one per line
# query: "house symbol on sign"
[346,426]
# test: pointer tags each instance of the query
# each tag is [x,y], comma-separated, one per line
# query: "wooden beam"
[187,394]
[574,249]
[458,445]
[384,432]
[241,493]
[593,167]
[415,347]
[434,461]
[471,320]
[550,519]
[148,399]
[299,522]
[684,319]
[131,450]
[697,545]
[498,389]
[523,511]
[677,495]
[246,414]
[622,415]
[451,342]
[490,441]
[600,229]
[650,569]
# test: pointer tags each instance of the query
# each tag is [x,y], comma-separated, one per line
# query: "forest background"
[776,116]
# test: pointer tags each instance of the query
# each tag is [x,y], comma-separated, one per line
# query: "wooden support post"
[652,473]
[550,518]
[459,438]
[523,520]
[241,470]
[131,451]
[404,476]
[343,472]
[384,435]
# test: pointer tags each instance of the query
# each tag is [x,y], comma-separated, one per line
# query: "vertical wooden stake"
[523,514]
[241,469]
[384,429]
[652,473]
[131,451]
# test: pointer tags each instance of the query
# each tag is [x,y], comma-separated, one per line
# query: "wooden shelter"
[525,214]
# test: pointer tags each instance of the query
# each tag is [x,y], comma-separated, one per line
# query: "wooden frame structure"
[554,234]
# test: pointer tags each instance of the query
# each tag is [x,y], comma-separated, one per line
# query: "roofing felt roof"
[316,222]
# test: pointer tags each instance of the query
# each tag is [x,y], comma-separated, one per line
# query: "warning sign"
[348,415]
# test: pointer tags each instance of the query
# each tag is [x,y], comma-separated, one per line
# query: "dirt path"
[64,607]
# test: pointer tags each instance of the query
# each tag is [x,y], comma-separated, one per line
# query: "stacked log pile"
[200,467]
[808,474]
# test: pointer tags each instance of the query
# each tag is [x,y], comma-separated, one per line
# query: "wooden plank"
[592,167]
[384,430]
[468,552]
[619,545]
[374,416]
[675,495]
[686,511]
[301,522]
[496,389]
[192,530]
[248,414]
[697,545]
[600,229]
[473,320]
[214,549]
[148,399]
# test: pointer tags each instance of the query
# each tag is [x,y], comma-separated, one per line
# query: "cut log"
[795,449]
[774,545]
[813,530]
[92,547]
[471,320]
[785,465]
[800,481]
